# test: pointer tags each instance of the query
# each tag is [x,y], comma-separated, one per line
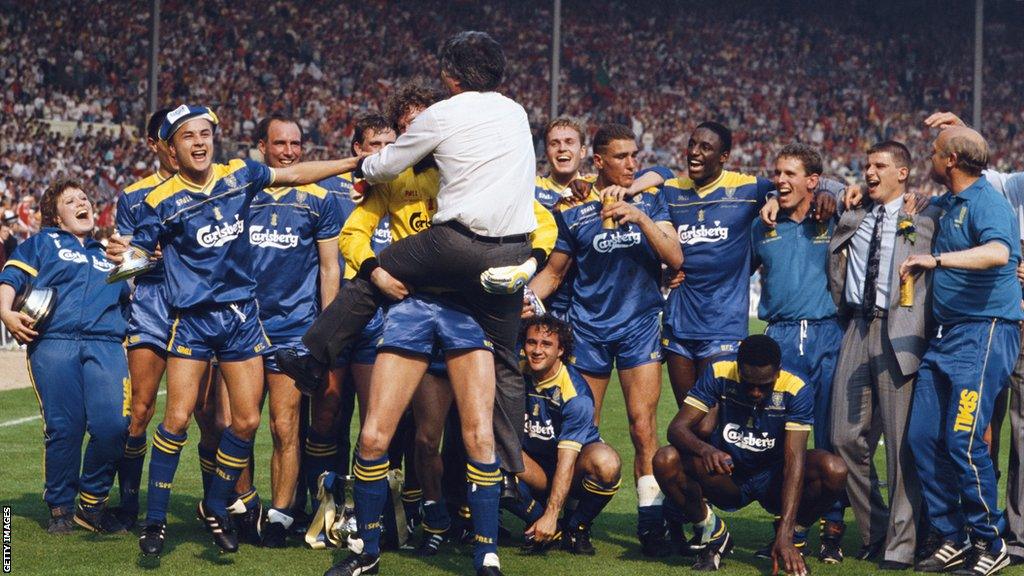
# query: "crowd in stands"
[839,75]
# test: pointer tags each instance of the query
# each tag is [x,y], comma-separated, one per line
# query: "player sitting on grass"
[562,451]
[757,451]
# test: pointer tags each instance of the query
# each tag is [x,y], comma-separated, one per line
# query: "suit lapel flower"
[905,228]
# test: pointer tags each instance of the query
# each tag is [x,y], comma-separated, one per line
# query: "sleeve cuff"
[367,268]
[570,445]
[798,427]
[697,404]
[540,256]
[23,267]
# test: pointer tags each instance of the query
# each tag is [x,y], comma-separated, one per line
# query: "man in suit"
[882,348]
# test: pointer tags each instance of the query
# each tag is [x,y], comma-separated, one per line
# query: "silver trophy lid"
[136,261]
[37,302]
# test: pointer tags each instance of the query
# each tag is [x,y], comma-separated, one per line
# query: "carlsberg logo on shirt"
[210,236]
[607,241]
[545,431]
[382,235]
[102,264]
[72,256]
[703,233]
[258,236]
[747,441]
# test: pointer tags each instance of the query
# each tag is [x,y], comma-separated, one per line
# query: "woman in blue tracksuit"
[76,360]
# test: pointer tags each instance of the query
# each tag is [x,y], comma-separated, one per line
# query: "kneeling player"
[757,452]
[562,451]
[413,329]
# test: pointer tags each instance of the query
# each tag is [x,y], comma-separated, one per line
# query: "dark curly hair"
[48,204]
[551,324]
[409,96]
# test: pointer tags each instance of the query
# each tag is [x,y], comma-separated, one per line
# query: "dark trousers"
[444,257]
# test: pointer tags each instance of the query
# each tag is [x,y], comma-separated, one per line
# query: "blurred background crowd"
[837,74]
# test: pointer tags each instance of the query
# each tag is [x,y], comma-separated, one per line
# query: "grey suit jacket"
[909,328]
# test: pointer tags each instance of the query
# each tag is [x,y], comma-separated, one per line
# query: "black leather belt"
[465,231]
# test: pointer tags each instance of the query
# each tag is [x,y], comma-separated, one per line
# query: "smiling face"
[885,180]
[543,350]
[283,146]
[192,148]
[795,186]
[75,212]
[704,156]
[565,152]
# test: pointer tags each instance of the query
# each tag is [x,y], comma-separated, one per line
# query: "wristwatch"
[938,260]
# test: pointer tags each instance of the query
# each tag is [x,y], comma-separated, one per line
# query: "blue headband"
[177,117]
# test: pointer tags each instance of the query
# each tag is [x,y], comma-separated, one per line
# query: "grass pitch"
[190,551]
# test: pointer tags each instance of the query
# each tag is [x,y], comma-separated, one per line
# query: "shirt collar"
[892,207]
[544,384]
[971,192]
[88,243]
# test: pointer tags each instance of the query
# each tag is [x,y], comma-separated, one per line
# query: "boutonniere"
[905,227]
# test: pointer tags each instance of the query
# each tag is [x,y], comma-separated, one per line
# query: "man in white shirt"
[477,249]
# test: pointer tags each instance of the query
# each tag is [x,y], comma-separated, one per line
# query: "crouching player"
[757,451]
[562,451]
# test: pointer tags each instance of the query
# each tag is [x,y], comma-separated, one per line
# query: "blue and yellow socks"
[370,493]
[596,495]
[208,466]
[163,463]
[527,508]
[318,456]
[129,472]
[483,487]
[232,457]
[435,517]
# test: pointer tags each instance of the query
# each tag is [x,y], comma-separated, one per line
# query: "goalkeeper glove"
[508,279]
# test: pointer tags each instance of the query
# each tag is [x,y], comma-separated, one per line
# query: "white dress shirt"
[482,144]
[857,262]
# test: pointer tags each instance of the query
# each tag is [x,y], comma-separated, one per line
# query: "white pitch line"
[17,421]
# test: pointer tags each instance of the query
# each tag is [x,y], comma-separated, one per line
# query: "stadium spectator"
[667,69]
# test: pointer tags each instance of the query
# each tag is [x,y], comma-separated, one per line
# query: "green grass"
[189,550]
